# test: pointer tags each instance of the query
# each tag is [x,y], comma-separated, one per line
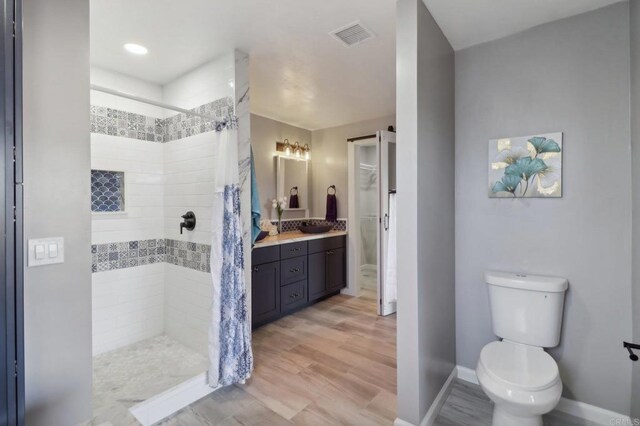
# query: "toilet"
[516,373]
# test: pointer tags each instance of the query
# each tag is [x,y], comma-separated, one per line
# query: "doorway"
[372,188]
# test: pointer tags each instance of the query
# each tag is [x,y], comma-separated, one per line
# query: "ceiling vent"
[352,34]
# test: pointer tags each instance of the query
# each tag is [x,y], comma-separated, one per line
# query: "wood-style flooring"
[331,363]
[467,405]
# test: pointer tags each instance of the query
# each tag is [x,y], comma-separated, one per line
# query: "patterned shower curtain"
[230,357]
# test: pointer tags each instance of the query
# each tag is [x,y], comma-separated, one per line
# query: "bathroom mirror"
[292,179]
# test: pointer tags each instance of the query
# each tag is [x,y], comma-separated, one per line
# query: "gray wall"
[57,204]
[635,147]
[329,161]
[571,76]
[264,134]
[425,154]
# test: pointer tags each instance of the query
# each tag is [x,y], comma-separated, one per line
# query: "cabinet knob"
[256,269]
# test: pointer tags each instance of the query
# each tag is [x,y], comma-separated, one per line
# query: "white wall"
[128,303]
[425,185]
[57,204]
[143,165]
[187,306]
[329,161]
[130,85]
[202,85]
[128,306]
[570,76]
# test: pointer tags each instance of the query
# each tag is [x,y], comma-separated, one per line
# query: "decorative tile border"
[116,122]
[189,255]
[290,225]
[110,256]
[182,125]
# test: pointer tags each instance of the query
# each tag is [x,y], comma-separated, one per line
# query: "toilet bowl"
[523,382]
[516,373]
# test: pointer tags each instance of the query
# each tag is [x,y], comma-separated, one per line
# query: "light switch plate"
[46,260]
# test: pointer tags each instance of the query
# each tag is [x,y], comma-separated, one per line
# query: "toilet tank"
[526,308]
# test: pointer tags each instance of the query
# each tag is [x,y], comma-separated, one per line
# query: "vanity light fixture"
[136,49]
[293,150]
[296,149]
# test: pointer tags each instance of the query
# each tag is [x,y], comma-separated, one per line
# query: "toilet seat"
[523,367]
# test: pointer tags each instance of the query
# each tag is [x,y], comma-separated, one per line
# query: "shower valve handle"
[189,222]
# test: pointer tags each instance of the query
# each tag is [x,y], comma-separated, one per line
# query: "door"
[265,292]
[387,186]
[11,330]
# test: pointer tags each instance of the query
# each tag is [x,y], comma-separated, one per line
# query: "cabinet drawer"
[292,270]
[290,250]
[323,244]
[293,296]
[265,255]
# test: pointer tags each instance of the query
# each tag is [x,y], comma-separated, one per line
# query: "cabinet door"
[336,269]
[265,292]
[317,267]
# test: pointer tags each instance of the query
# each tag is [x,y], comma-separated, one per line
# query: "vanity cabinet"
[265,296]
[290,276]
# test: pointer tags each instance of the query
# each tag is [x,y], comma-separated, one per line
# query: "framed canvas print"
[526,166]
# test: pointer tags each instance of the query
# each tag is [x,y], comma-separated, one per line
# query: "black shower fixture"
[189,222]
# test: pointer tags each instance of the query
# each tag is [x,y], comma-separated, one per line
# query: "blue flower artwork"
[526,167]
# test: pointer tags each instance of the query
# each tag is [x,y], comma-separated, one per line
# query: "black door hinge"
[15,368]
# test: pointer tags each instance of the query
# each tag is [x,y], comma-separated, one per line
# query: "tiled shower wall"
[139,291]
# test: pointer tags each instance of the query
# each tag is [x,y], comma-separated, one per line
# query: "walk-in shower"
[153,157]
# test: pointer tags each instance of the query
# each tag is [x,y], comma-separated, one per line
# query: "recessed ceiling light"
[136,49]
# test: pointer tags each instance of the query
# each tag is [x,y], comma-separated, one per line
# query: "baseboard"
[171,401]
[467,374]
[579,409]
[430,418]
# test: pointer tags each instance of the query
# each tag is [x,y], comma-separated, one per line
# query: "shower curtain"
[230,357]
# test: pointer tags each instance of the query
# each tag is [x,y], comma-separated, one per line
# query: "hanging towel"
[255,203]
[332,208]
[391,277]
[230,356]
[294,202]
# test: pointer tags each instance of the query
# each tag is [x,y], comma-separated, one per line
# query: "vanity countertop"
[294,236]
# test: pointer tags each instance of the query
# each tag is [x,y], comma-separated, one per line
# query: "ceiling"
[299,74]
[470,22]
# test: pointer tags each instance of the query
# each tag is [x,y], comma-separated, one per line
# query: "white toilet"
[516,373]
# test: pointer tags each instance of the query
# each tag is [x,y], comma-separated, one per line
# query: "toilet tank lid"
[526,281]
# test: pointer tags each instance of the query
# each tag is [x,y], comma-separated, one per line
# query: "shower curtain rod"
[152,102]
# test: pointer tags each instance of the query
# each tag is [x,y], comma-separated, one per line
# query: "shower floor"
[130,375]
